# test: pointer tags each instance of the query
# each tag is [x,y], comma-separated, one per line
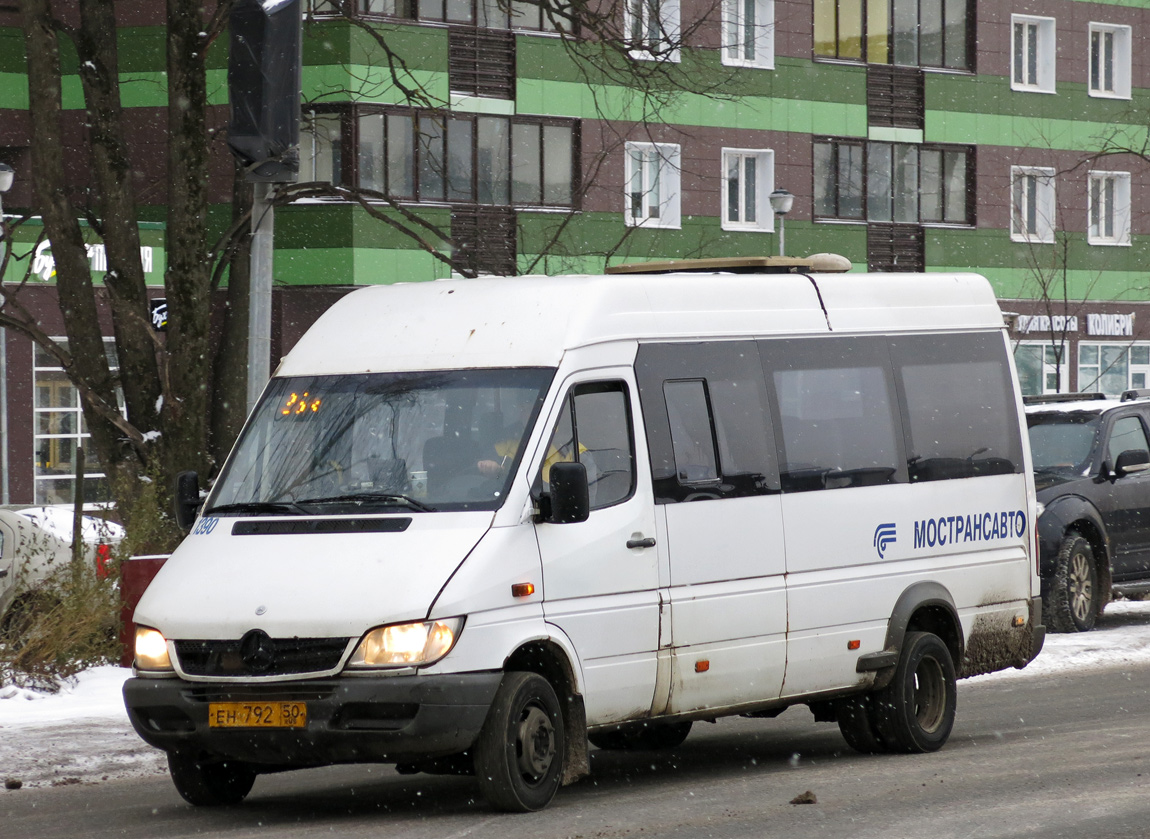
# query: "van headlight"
[406,644]
[151,650]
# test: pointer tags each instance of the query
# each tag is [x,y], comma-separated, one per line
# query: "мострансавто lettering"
[974,527]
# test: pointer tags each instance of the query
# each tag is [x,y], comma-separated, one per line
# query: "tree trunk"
[188,279]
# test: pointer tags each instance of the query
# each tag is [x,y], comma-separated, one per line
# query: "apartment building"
[499,137]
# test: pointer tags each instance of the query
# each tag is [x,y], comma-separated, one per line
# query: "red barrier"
[135,575]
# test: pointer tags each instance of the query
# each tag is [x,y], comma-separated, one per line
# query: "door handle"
[648,542]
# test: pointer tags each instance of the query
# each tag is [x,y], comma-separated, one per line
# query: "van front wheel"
[915,712]
[520,751]
[856,719]
[210,784]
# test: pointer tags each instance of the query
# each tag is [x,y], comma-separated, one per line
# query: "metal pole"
[782,234]
[260,313]
[4,497]
[78,518]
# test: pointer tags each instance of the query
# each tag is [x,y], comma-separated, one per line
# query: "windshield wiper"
[256,507]
[385,498]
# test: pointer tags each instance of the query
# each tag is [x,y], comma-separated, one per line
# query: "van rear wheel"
[210,784]
[915,712]
[520,751]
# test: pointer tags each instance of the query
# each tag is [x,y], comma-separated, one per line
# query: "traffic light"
[264,77]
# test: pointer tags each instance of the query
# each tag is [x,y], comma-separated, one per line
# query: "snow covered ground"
[82,735]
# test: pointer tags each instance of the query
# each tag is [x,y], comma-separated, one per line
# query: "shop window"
[1112,368]
[1040,370]
[59,432]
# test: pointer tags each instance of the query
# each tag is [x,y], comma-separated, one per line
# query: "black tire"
[212,784]
[915,712]
[1070,598]
[647,736]
[520,751]
[856,719]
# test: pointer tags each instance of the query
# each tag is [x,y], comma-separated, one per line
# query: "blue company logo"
[884,534]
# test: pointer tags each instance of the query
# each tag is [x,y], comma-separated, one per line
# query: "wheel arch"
[1073,513]
[549,659]
[925,607]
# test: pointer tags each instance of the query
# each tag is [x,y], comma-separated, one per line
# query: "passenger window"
[835,411]
[720,385]
[1127,434]
[594,428]
[691,433]
[958,405]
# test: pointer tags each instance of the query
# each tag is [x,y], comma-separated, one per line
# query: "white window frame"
[1040,199]
[1092,380]
[1120,83]
[640,29]
[317,153]
[79,435]
[757,34]
[1044,54]
[658,174]
[1117,232]
[764,183]
[1049,368]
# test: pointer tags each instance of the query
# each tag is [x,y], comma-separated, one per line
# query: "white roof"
[531,321]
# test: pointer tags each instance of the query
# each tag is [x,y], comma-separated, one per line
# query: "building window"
[320,148]
[652,28]
[1033,53]
[748,33]
[59,431]
[911,33]
[1112,368]
[1109,201]
[652,178]
[902,182]
[1040,370]
[1109,61]
[451,157]
[1032,204]
[748,178]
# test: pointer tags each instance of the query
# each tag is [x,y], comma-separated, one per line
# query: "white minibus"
[477,525]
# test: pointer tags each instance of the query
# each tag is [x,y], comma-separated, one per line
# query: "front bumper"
[361,719]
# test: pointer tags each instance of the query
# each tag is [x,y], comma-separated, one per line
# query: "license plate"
[257,714]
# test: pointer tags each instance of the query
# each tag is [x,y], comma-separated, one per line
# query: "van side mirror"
[1131,461]
[187,499]
[570,495]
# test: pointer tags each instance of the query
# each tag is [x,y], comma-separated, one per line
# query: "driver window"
[594,428]
[1126,434]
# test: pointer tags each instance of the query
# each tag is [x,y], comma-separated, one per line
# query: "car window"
[1126,435]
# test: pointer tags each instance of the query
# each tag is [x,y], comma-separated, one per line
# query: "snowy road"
[82,735]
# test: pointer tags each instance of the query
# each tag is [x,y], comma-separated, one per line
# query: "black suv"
[1092,473]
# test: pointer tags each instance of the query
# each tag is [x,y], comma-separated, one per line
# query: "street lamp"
[781,202]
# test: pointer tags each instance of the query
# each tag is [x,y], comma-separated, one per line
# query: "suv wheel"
[1072,592]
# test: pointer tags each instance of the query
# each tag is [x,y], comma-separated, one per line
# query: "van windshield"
[428,441]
